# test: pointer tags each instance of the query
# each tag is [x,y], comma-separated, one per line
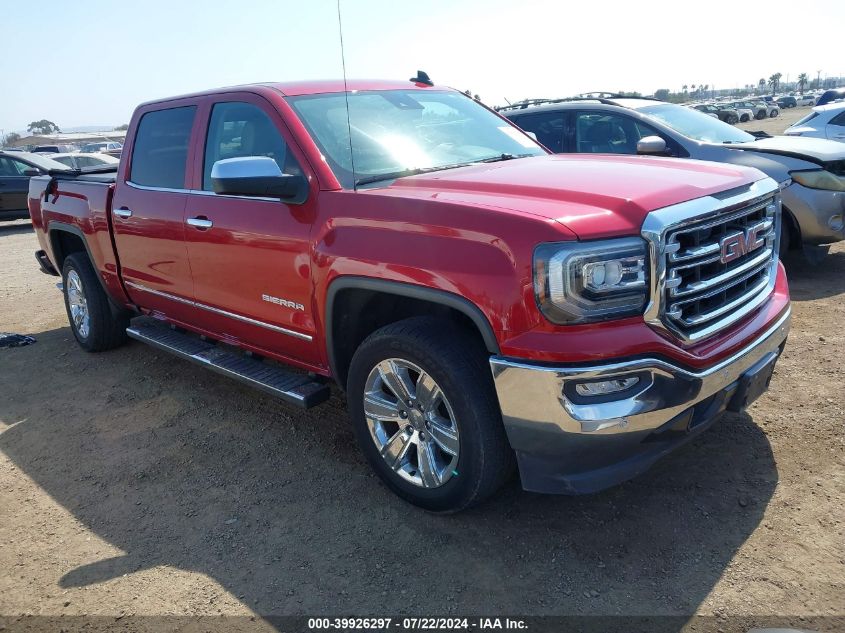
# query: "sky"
[90,62]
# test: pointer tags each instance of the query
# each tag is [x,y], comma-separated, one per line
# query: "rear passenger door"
[148,214]
[250,256]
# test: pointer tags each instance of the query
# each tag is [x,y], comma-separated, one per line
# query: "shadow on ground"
[177,466]
[809,281]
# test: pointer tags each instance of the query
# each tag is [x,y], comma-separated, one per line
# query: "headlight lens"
[819,179]
[579,282]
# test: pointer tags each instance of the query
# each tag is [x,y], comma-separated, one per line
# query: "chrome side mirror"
[257,176]
[653,145]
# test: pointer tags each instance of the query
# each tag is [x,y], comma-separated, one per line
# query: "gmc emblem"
[735,245]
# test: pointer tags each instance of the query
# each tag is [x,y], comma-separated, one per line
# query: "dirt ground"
[133,484]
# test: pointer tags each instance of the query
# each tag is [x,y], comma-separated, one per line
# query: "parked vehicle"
[54,149]
[84,161]
[805,100]
[723,113]
[826,121]
[759,109]
[810,171]
[112,148]
[16,168]
[745,113]
[829,96]
[787,101]
[388,245]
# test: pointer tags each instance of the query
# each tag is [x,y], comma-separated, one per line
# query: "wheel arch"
[357,306]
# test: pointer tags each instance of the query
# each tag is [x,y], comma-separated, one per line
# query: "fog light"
[605,387]
[836,222]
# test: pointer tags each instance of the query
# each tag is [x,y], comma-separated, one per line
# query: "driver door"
[250,256]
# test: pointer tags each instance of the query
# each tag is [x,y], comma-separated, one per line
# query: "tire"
[744,118]
[466,411]
[733,119]
[94,324]
[761,115]
[774,113]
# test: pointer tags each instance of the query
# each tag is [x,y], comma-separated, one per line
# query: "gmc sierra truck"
[484,304]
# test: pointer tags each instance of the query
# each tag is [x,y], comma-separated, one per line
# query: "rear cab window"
[160,151]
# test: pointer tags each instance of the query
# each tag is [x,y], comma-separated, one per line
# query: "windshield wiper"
[500,157]
[405,172]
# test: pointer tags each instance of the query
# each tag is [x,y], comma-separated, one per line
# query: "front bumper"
[820,214]
[567,444]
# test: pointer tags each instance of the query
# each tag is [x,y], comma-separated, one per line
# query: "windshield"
[395,131]
[696,125]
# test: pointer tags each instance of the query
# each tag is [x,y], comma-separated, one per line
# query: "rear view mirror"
[257,176]
[653,145]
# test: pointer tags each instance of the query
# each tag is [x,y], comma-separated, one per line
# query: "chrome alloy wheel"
[412,423]
[78,304]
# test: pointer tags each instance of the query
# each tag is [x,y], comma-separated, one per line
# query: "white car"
[82,160]
[805,100]
[827,121]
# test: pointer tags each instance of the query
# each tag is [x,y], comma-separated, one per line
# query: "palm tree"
[761,84]
[685,88]
[774,82]
[802,81]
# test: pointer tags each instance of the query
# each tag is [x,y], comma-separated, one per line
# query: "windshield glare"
[398,130]
[696,125]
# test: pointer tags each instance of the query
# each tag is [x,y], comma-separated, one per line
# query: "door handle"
[123,212]
[201,222]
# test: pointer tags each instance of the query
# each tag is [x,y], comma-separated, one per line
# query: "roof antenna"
[421,78]
[346,95]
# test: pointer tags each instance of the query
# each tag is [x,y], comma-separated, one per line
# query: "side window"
[8,168]
[839,119]
[161,148]
[548,126]
[242,129]
[601,133]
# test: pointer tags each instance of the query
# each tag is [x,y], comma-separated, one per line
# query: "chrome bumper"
[545,423]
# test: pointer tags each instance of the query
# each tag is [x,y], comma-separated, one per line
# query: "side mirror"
[258,176]
[31,172]
[651,145]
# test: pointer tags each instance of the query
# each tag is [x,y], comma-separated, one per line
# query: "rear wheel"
[425,414]
[744,118]
[733,119]
[95,325]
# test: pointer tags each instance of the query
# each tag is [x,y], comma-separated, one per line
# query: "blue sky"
[108,56]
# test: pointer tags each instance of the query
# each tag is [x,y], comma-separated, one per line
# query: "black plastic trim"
[432,295]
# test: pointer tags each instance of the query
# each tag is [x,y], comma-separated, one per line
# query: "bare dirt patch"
[133,483]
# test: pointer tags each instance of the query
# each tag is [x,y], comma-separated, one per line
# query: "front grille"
[718,268]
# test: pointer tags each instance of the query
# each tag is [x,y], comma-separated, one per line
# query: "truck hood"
[594,196]
[817,150]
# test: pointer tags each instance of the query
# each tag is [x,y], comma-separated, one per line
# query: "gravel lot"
[135,484]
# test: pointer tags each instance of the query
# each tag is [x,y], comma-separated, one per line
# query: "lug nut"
[403,414]
[422,437]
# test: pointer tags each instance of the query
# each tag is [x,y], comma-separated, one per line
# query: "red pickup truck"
[483,304]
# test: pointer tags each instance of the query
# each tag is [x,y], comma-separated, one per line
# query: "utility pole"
[818,78]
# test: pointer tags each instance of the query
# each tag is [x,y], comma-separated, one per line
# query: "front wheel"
[425,414]
[95,325]
[733,119]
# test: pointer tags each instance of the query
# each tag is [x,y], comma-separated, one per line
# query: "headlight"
[578,282]
[819,179]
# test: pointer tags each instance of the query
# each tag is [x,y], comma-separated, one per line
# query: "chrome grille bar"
[713,260]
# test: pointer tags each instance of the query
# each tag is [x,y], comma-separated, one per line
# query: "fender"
[55,227]
[432,295]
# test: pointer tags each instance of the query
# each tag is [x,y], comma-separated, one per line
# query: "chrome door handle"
[200,222]
[122,213]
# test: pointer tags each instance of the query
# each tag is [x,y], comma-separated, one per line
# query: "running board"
[291,387]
